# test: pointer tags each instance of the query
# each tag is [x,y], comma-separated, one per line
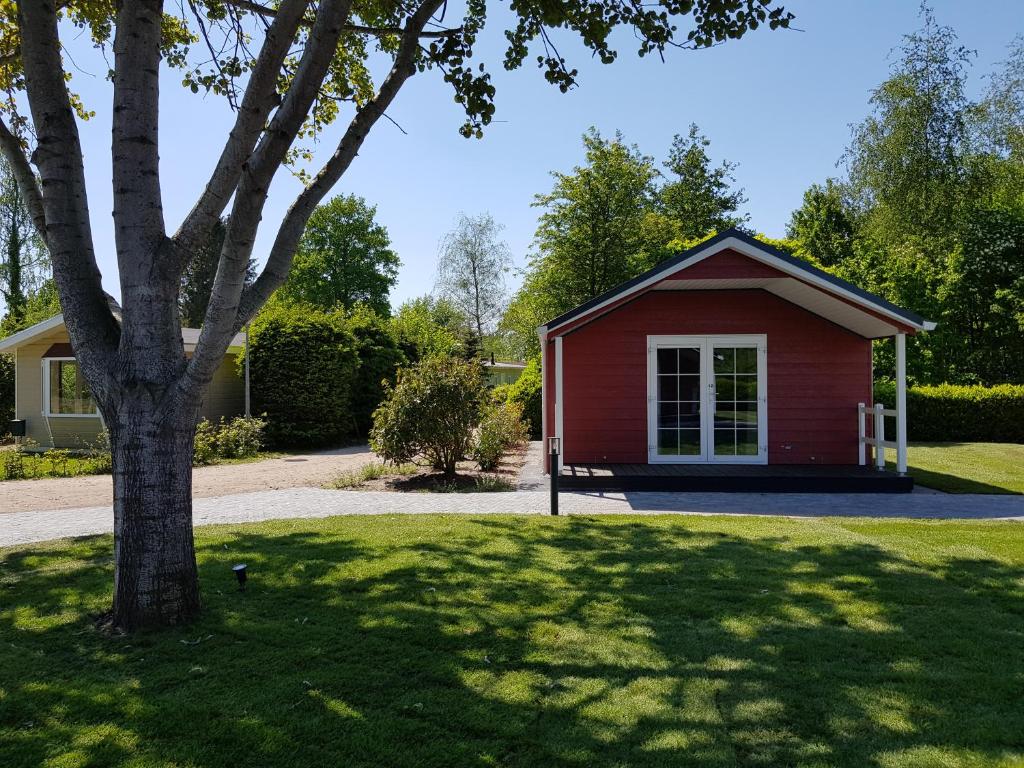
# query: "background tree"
[199,274]
[699,196]
[587,238]
[824,223]
[287,69]
[428,326]
[344,258]
[23,259]
[471,268]
[932,209]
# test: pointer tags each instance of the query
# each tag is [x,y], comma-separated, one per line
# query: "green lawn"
[968,467]
[502,641]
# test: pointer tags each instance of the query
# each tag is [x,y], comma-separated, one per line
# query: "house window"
[67,393]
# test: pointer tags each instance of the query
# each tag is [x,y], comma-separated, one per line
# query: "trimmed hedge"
[954,413]
[304,367]
[526,391]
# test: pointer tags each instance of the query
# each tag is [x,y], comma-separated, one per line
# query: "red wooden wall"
[817,373]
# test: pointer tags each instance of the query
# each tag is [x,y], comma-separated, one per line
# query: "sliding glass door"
[706,399]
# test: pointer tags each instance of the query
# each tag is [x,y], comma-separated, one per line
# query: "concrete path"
[24,527]
[295,470]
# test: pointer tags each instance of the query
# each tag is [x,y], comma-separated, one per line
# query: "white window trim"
[706,344]
[45,368]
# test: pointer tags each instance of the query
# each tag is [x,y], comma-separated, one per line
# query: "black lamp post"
[553,447]
[240,574]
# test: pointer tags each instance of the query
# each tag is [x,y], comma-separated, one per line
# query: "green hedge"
[304,366]
[526,391]
[952,412]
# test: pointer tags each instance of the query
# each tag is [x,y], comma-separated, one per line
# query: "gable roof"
[801,272]
[189,336]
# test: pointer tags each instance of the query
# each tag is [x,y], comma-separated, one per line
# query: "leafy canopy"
[211,43]
[344,258]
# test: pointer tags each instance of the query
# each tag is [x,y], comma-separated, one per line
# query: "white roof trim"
[758,254]
[189,336]
[25,335]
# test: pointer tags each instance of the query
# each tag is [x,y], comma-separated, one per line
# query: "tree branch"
[283,250]
[263,10]
[58,156]
[247,209]
[10,146]
[135,159]
[259,99]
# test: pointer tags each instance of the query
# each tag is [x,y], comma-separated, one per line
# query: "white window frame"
[45,367]
[706,344]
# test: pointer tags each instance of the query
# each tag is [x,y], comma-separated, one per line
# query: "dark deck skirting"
[732,477]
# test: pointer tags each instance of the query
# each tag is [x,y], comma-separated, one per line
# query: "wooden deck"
[733,477]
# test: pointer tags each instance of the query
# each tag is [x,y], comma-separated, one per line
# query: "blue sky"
[778,103]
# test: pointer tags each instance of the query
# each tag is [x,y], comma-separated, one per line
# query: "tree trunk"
[156,581]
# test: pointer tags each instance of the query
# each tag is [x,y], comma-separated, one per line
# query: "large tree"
[825,224]
[344,258]
[588,236]
[697,194]
[471,267]
[288,69]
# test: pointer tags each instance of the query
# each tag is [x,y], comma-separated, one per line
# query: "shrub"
[430,412]
[379,360]
[303,367]
[952,412]
[501,428]
[236,439]
[526,391]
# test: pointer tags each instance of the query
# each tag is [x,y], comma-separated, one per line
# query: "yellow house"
[53,401]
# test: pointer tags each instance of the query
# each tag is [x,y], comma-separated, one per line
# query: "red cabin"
[732,354]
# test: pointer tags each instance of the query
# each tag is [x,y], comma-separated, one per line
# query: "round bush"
[430,412]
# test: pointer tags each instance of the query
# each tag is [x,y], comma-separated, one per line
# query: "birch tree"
[290,70]
[471,268]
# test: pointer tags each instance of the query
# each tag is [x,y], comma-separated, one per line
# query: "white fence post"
[879,436]
[862,448]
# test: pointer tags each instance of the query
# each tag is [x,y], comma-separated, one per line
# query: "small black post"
[554,468]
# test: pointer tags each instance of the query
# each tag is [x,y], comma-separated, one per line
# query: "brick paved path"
[23,527]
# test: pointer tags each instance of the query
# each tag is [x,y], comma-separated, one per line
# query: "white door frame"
[706,345]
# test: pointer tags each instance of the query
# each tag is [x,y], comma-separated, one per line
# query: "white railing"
[877,439]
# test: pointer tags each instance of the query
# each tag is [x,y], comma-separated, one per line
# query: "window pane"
[689,360]
[667,388]
[746,388]
[725,360]
[725,442]
[689,442]
[689,388]
[746,442]
[668,442]
[668,415]
[68,391]
[746,414]
[746,360]
[724,388]
[667,361]
[725,418]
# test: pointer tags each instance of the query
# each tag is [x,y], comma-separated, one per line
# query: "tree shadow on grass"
[523,642]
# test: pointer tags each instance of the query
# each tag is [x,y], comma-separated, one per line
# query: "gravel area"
[292,471]
[24,527]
